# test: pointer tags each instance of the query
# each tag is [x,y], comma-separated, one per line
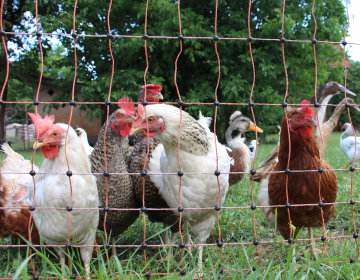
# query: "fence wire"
[180,38]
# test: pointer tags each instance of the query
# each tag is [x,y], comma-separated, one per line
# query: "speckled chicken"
[120,193]
[238,125]
[12,191]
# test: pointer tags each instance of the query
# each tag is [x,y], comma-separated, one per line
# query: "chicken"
[241,154]
[302,187]
[152,198]
[328,127]
[197,154]
[56,188]
[347,145]
[84,140]
[331,89]
[13,188]
[119,193]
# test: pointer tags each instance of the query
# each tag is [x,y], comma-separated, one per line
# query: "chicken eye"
[56,133]
[150,120]
[297,118]
[118,115]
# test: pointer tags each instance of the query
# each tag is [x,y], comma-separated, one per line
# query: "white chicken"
[347,145]
[197,154]
[53,189]
[84,140]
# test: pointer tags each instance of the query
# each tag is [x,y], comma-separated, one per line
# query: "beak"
[38,144]
[158,96]
[342,89]
[312,122]
[130,119]
[253,128]
[356,108]
[134,130]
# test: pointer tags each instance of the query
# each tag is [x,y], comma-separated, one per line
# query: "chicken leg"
[188,240]
[346,166]
[113,249]
[312,242]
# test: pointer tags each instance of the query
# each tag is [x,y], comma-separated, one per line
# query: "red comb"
[42,124]
[140,110]
[128,107]
[153,86]
[305,107]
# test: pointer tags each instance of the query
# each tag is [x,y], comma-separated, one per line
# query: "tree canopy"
[197,68]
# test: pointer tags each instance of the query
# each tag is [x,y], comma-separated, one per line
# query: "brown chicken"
[303,187]
[13,191]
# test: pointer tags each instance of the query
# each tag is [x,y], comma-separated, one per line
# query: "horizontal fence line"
[184,209]
[172,103]
[186,173]
[173,37]
[177,245]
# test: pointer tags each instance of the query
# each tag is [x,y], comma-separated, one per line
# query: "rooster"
[54,189]
[197,154]
[13,188]
[120,193]
[303,187]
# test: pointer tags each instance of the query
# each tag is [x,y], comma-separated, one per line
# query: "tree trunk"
[2,116]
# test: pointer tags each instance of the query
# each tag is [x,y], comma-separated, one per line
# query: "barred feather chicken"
[53,189]
[241,154]
[197,154]
[13,188]
[120,193]
[303,187]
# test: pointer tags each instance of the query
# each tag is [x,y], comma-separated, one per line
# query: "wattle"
[124,131]
[306,131]
[151,134]
[49,151]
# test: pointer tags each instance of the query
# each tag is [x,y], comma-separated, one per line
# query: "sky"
[354,29]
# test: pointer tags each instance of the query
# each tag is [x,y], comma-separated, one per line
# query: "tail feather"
[15,162]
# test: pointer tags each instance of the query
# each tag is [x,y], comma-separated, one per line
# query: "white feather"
[53,190]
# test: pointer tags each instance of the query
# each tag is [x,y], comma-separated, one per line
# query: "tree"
[197,69]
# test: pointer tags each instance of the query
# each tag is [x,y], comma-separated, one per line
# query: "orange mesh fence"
[217,103]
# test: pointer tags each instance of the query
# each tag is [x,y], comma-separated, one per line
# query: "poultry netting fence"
[260,248]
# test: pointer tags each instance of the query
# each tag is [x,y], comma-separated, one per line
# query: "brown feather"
[303,187]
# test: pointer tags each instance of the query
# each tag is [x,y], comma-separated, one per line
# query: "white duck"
[347,145]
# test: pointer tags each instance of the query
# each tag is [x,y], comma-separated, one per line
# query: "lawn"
[240,257]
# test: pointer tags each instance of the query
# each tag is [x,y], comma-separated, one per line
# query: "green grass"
[237,226]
